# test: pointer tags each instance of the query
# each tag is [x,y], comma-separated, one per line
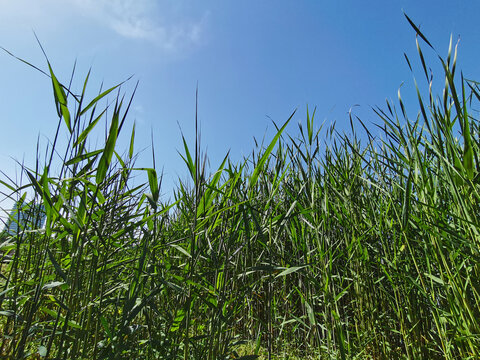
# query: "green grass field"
[319,245]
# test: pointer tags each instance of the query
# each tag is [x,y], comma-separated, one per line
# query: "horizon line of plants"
[314,245]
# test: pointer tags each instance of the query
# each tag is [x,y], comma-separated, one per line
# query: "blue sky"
[252,60]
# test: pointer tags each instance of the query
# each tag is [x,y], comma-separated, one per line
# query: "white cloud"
[163,23]
[148,20]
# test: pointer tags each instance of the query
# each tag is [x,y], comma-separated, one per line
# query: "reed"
[318,244]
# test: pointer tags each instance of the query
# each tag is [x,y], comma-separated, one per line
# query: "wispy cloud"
[148,20]
[163,23]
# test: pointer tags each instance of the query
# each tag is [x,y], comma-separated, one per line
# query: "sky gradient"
[253,61]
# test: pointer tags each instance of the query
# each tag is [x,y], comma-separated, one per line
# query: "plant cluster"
[328,246]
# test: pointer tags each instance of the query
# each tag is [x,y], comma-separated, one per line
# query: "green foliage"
[317,245]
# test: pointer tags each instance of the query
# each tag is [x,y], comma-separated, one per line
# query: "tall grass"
[315,243]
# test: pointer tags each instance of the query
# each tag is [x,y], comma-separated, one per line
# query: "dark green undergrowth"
[319,245]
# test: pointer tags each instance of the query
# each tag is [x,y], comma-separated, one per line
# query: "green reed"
[318,244]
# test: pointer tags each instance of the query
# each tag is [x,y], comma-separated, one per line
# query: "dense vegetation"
[317,244]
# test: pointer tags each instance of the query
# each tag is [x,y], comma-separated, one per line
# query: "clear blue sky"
[253,60]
